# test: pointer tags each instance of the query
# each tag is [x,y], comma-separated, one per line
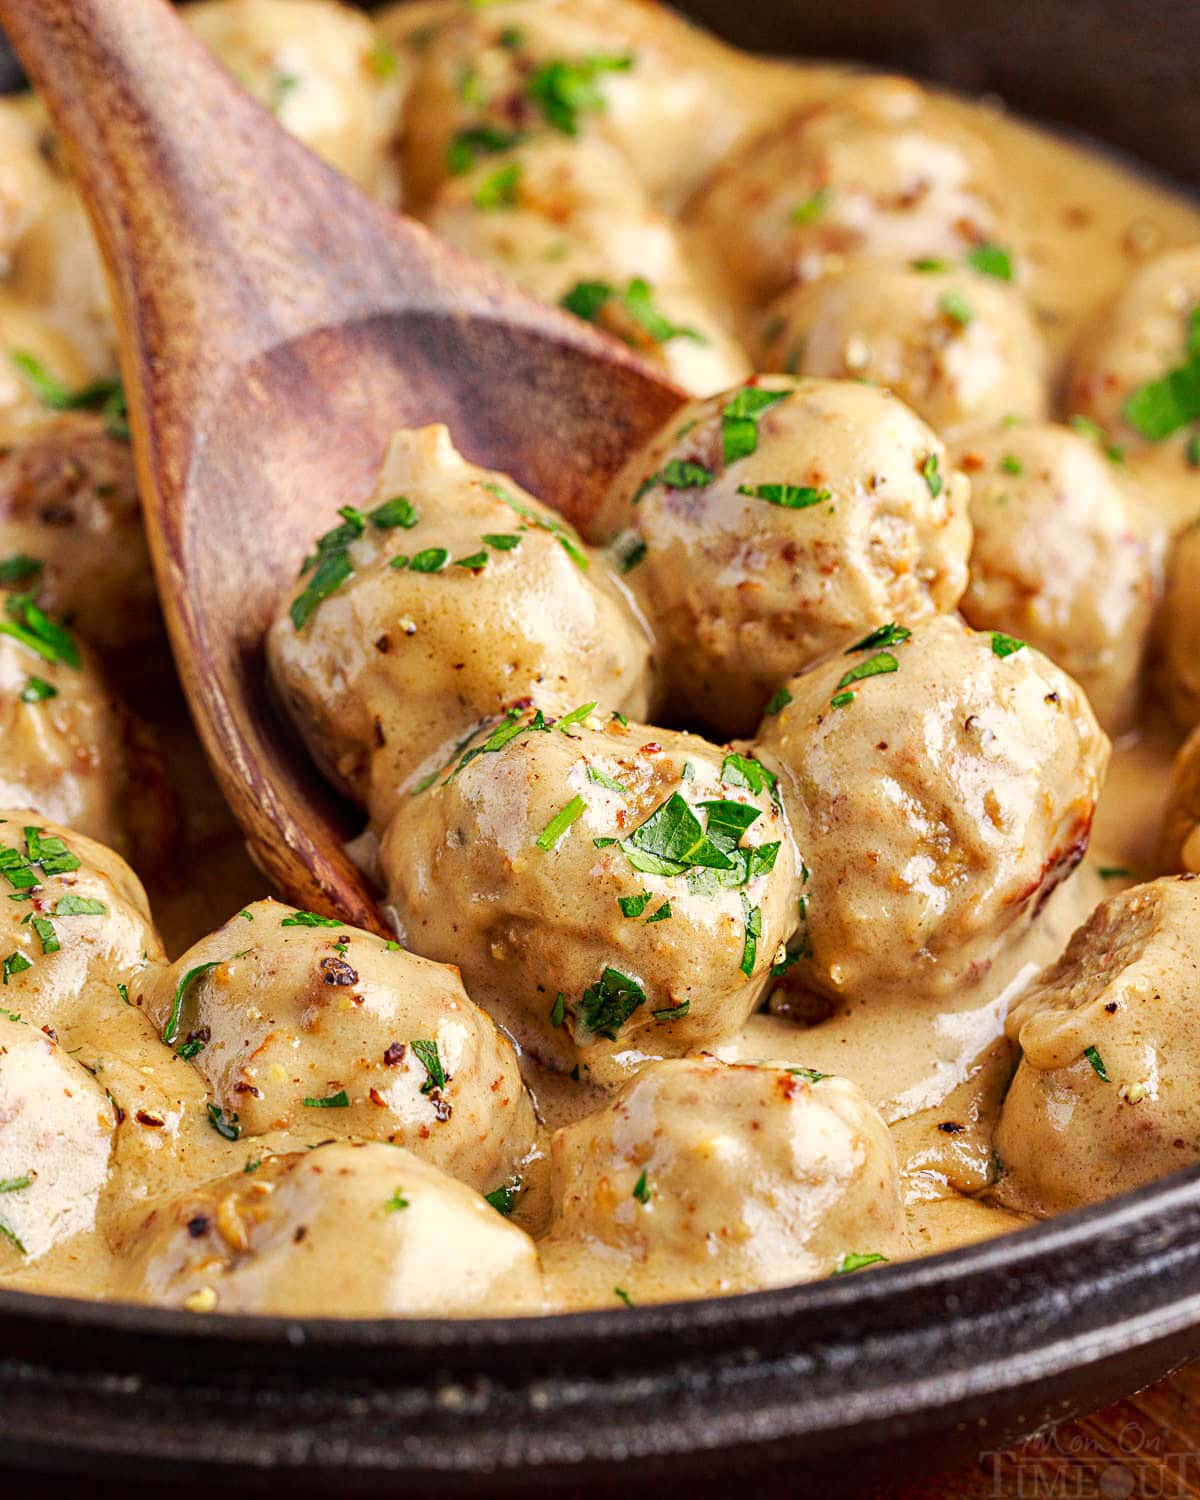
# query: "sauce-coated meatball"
[69,500]
[941,783]
[703,1177]
[1105,1096]
[618,886]
[960,348]
[324,72]
[496,600]
[394,1236]
[295,1020]
[1065,556]
[765,527]
[56,1131]
[566,221]
[881,169]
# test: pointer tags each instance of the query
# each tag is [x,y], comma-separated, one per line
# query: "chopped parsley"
[560,823]
[396,1202]
[753,917]
[609,1003]
[558,1011]
[676,474]
[309,919]
[36,631]
[602,778]
[663,914]
[882,664]
[812,208]
[474,564]
[398,511]
[787,496]
[171,1029]
[992,260]
[955,306]
[1011,464]
[592,300]
[882,635]
[227,1127]
[107,396]
[619,1291]
[37,690]
[671,842]
[744,770]
[855,1260]
[502,541]
[634,906]
[641,1188]
[931,473]
[503,734]
[15,963]
[673,1012]
[576,716]
[46,933]
[340,1100]
[504,1199]
[499,189]
[1097,1063]
[544,523]
[7,1233]
[1114,872]
[18,569]
[629,550]
[17,1184]
[564,90]
[777,702]
[1005,645]
[79,906]
[740,418]
[429,560]
[477,140]
[50,854]
[1161,407]
[426,1052]
[841,700]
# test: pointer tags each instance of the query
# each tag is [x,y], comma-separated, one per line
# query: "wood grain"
[275,327]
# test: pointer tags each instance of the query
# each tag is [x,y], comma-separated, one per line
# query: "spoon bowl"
[275,327]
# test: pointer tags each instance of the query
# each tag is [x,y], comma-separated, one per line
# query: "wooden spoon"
[275,327]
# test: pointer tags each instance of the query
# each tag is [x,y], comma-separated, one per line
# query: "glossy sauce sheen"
[936,1067]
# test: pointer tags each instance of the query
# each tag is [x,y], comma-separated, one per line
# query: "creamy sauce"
[1086,222]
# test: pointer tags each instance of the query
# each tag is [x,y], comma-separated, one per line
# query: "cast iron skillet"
[921,1364]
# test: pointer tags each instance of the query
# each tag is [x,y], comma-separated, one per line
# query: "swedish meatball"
[961,349]
[1065,555]
[1104,1098]
[56,1131]
[69,501]
[881,169]
[567,222]
[618,887]
[463,595]
[702,1177]
[323,70]
[765,527]
[67,747]
[941,783]
[1147,332]
[350,1229]
[1180,629]
[635,75]
[285,1014]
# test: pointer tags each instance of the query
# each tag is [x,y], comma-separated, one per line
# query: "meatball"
[961,349]
[941,783]
[567,222]
[67,747]
[350,1229]
[632,74]
[1105,1098]
[56,1130]
[765,527]
[77,923]
[613,886]
[69,502]
[462,595]
[1065,556]
[1152,328]
[323,70]
[880,169]
[285,1014]
[1180,629]
[702,1177]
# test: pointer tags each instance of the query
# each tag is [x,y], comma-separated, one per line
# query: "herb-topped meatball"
[349,1229]
[1065,555]
[765,527]
[941,783]
[615,888]
[297,1019]
[881,169]
[702,1177]
[566,221]
[960,348]
[1137,369]
[1105,1098]
[56,1130]
[323,70]
[629,73]
[450,597]
[69,508]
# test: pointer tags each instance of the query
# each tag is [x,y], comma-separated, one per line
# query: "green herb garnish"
[340,1100]
[560,822]
[787,496]
[427,1054]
